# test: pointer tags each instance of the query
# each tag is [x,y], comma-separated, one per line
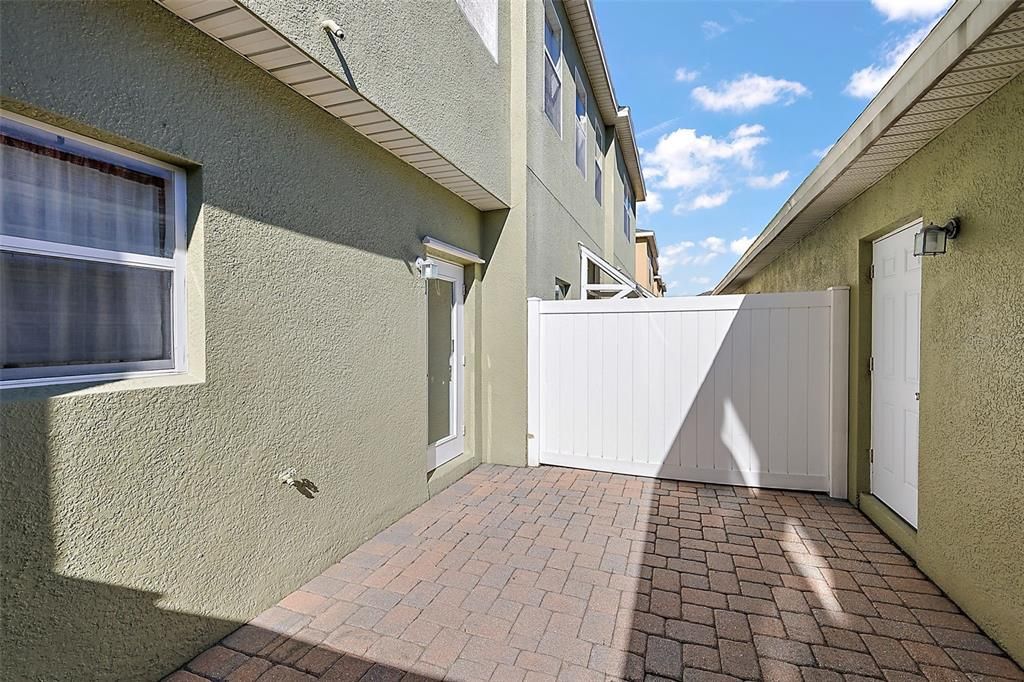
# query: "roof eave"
[588,39]
[963,26]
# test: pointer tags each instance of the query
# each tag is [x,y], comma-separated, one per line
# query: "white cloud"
[747,92]
[768,181]
[740,246]
[688,253]
[713,244]
[704,201]
[664,125]
[673,255]
[700,280]
[713,29]
[653,203]
[684,160]
[868,81]
[898,10]
[684,75]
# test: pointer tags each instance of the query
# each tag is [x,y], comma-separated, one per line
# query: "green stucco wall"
[970,539]
[423,63]
[141,525]
[562,208]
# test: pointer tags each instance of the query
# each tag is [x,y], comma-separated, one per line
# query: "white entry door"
[895,351]
[444,365]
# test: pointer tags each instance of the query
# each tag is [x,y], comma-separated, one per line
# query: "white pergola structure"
[621,286]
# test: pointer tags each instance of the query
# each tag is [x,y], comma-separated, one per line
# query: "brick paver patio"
[548,573]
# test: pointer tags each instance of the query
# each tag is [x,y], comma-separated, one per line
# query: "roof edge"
[614,115]
[950,39]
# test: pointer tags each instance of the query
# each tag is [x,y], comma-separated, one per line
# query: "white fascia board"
[960,28]
[446,251]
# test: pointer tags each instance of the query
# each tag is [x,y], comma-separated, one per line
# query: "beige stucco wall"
[642,265]
[970,539]
[138,526]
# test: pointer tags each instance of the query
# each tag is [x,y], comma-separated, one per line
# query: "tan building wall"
[646,264]
[971,458]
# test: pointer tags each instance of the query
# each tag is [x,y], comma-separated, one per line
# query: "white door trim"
[452,445]
[895,384]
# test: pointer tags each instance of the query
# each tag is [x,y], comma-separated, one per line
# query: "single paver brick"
[845,661]
[665,604]
[889,653]
[664,657]
[693,633]
[986,664]
[732,625]
[529,660]
[217,662]
[280,673]
[802,627]
[779,671]
[703,657]
[787,650]
[739,659]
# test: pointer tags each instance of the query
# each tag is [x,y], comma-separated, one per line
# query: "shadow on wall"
[59,619]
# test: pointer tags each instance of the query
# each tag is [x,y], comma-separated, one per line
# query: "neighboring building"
[209,279]
[647,263]
[936,382]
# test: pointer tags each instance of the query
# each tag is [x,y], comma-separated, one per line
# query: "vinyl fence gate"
[741,390]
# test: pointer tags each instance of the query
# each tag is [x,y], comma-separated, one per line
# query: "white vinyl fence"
[746,390]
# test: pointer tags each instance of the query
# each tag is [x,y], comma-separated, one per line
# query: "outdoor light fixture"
[332,27]
[427,268]
[931,240]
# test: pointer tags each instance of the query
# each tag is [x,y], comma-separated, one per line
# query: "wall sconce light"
[427,268]
[931,240]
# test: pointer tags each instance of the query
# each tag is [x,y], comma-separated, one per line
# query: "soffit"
[239,29]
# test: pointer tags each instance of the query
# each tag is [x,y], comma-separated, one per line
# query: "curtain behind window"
[61,314]
[58,196]
[64,311]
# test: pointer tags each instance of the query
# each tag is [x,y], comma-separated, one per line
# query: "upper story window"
[627,208]
[581,125]
[552,68]
[599,162]
[92,259]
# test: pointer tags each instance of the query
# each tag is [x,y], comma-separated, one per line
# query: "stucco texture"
[140,525]
[424,64]
[970,538]
[562,209]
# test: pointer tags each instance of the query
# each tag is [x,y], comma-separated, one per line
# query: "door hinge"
[871,364]
[871,455]
[871,271]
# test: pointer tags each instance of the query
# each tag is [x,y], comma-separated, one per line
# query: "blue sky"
[735,102]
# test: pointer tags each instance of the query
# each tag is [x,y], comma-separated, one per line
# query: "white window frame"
[551,18]
[175,263]
[599,179]
[581,124]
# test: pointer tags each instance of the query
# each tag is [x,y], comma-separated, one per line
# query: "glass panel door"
[444,365]
[440,349]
